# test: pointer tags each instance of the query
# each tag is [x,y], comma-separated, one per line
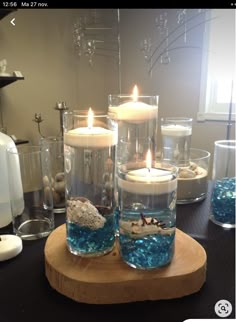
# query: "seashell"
[45,181]
[56,197]
[193,166]
[60,176]
[59,186]
[47,194]
[85,214]
[186,173]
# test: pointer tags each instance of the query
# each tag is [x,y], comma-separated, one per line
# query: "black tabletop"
[25,294]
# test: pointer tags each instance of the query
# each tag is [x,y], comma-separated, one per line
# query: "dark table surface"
[25,294]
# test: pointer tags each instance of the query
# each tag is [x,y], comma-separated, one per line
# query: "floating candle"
[148,180]
[134,111]
[175,130]
[90,136]
[10,246]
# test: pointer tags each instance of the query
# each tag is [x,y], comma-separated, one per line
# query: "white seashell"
[45,181]
[59,186]
[85,214]
[60,176]
[193,166]
[186,173]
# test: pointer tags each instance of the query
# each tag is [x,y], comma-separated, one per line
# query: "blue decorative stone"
[83,240]
[148,252]
[223,201]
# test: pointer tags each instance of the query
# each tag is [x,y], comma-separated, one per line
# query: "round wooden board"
[107,279]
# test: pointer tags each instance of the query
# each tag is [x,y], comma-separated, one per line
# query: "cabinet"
[7,80]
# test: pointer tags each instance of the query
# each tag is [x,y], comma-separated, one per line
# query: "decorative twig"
[38,119]
[173,31]
[173,41]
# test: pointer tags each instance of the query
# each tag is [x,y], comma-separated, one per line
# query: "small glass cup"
[89,149]
[54,145]
[32,212]
[176,140]
[193,179]
[223,192]
[147,200]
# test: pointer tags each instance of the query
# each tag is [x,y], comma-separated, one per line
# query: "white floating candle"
[175,130]
[94,137]
[155,184]
[10,246]
[148,180]
[134,111]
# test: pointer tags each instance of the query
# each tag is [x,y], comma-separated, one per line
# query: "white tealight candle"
[90,136]
[148,175]
[175,130]
[134,111]
[148,180]
[10,246]
[141,181]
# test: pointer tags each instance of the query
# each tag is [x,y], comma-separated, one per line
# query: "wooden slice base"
[107,279]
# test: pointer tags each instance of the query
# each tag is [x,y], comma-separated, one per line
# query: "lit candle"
[148,180]
[175,130]
[91,136]
[134,111]
[10,246]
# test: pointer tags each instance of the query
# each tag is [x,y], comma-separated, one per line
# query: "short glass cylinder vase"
[32,210]
[89,151]
[147,219]
[176,140]
[223,195]
[193,179]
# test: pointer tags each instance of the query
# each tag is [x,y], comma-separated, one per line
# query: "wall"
[177,83]
[41,47]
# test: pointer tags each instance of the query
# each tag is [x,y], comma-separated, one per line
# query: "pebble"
[186,173]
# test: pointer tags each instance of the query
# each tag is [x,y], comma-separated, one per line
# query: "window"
[218,84]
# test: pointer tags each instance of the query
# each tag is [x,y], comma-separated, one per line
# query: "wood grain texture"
[107,279]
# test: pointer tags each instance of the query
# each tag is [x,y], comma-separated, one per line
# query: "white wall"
[178,83]
[41,47]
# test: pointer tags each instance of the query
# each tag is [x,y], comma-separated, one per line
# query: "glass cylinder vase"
[224,184]
[176,140]
[193,179]
[54,145]
[137,117]
[147,200]
[89,151]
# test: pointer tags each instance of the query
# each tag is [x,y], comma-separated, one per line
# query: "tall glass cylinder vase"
[89,151]
[137,117]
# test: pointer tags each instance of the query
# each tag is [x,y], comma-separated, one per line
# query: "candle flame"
[149,160]
[135,93]
[90,118]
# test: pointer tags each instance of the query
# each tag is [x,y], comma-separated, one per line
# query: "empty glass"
[32,212]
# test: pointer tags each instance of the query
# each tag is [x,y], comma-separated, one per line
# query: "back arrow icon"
[13,21]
